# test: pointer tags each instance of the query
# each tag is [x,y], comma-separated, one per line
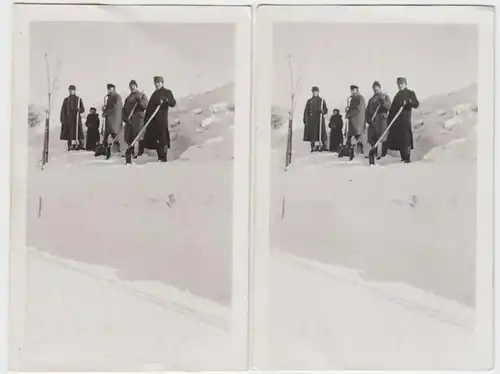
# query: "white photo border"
[266,16]
[23,15]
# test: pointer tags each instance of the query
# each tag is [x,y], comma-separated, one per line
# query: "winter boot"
[141,148]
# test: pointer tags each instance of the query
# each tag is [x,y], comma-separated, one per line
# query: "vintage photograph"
[131,150]
[375,153]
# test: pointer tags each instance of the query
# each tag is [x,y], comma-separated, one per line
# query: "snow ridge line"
[432,306]
[188,311]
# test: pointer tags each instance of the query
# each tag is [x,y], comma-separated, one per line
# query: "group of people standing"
[127,118]
[364,121]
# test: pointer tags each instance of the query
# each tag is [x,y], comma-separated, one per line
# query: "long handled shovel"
[108,150]
[130,148]
[101,149]
[76,124]
[321,116]
[371,153]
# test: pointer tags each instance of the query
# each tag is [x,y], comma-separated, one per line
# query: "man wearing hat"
[112,113]
[377,111]
[400,137]
[71,120]
[133,116]
[314,121]
[157,134]
[355,113]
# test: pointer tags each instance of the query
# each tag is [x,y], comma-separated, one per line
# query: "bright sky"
[190,57]
[434,58]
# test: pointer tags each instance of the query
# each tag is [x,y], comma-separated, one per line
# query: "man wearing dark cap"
[71,120]
[314,121]
[157,134]
[112,112]
[377,111]
[133,116]
[400,137]
[355,113]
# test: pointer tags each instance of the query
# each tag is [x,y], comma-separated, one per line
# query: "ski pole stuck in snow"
[128,152]
[371,153]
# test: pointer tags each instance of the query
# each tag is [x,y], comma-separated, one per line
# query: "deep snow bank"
[413,223]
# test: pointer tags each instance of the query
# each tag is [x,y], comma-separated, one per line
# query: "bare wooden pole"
[45,152]
[288,156]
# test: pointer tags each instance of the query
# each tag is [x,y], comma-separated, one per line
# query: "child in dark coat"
[92,124]
[336,137]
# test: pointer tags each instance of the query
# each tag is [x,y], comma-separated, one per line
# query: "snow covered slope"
[162,233]
[390,234]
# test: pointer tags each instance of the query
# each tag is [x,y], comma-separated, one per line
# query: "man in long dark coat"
[112,112]
[314,121]
[336,136]
[157,134]
[355,113]
[400,137]
[133,116]
[377,112]
[71,120]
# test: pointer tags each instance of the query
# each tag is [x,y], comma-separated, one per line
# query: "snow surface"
[374,267]
[130,266]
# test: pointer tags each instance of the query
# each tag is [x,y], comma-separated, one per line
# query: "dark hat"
[111,85]
[158,79]
[315,89]
[354,87]
[72,87]
[336,110]
[133,82]
[92,108]
[376,84]
[401,80]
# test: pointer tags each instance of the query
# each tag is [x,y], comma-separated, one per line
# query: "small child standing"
[92,124]
[336,136]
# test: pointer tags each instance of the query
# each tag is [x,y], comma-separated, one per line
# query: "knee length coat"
[113,114]
[400,134]
[71,110]
[313,119]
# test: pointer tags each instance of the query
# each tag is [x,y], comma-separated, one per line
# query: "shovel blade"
[371,156]
[128,156]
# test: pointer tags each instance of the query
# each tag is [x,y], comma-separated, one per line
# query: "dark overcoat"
[92,124]
[314,113]
[157,133]
[400,134]
[336,136]
[356,115]
[134,107]
[113,114]
[71,110]
[377,127]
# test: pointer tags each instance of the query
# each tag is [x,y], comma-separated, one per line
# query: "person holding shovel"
[314,121]
[400,137]
[157,134]
[71,121]
[112,112]
[355,114]
[133,115]
[377,112]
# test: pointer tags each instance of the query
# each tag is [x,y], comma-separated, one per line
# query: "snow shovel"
[345,149]
[321,148]
[101,148]
[371,153]
[130,148]
[75,142]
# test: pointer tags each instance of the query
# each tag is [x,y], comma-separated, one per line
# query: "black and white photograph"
[374,164]
[129,247]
